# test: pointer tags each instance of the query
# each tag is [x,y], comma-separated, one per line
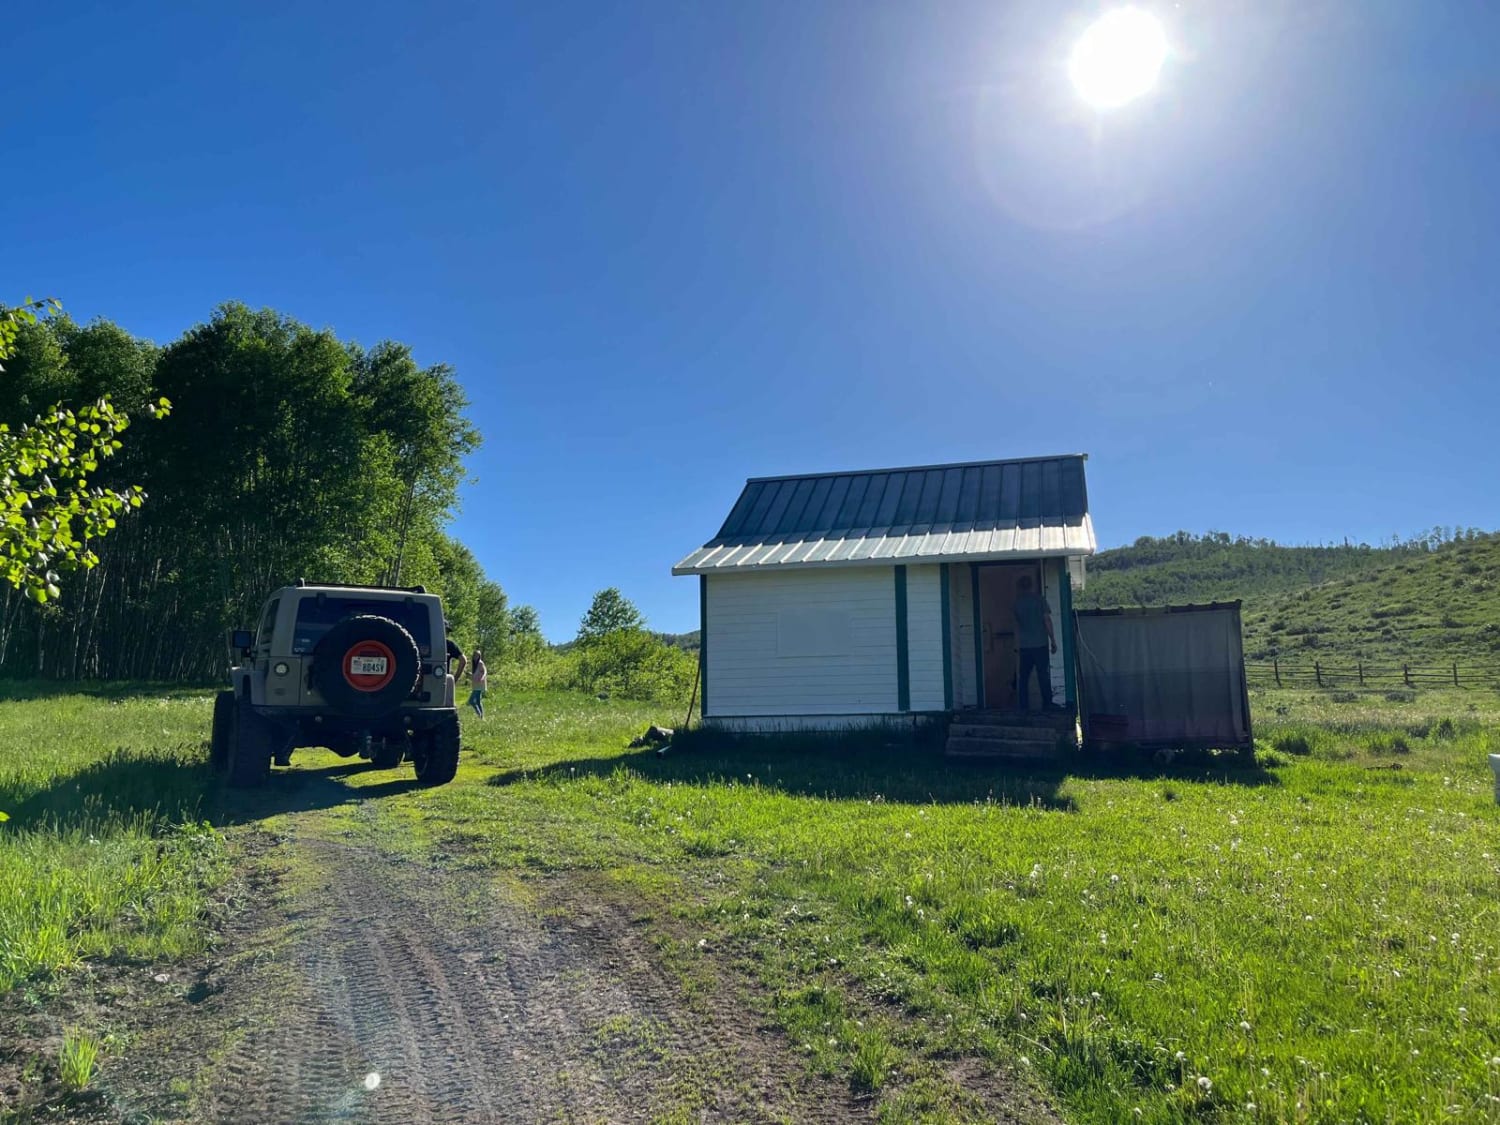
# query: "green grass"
[1318,939]
[75,1061]
[1317,936]
[104,853]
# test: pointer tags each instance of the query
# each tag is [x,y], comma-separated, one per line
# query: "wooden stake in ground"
[692,699]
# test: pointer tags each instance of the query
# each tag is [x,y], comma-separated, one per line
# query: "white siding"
[1052,572]
[786,724]
[924,636]
[961,598]
[746,673]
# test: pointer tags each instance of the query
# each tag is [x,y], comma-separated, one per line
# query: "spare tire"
[366,666]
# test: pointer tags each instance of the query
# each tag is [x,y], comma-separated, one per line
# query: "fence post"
[1276,667]
[1406,674]
[1318,672]
[1361,673]
[1455,673]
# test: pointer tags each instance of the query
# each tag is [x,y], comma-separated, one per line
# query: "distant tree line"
[288,453]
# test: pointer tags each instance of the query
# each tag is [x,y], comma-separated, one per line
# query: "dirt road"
[374,989]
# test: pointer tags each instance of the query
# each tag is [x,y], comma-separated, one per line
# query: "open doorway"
[997,624]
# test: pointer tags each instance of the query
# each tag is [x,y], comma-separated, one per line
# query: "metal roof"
[976,511]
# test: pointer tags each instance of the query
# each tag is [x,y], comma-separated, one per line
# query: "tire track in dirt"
[482,1013]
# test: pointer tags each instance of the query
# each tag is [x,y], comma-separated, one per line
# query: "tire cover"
[366,666]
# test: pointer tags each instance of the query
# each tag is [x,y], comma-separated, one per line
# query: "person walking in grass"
[1035,640]
[478,680]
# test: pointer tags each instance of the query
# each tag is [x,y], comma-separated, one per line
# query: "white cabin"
[855,599]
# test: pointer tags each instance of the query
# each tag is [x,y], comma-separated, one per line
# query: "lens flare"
[1118,58]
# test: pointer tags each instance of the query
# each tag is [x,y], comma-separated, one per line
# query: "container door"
[1171,677]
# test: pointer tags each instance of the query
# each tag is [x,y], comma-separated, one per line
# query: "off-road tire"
[387,755]
[341,695]
[220,734]
[435,752]
[250,748]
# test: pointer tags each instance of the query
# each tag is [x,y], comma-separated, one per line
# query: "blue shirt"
[1032,611]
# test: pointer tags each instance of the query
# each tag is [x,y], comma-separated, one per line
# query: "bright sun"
[1118,57]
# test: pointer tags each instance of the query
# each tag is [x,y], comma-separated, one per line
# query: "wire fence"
[1356,674]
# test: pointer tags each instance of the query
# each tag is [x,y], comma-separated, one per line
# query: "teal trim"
[978,648]
[903,657]
[702,646]
[947,638]
[1065,596]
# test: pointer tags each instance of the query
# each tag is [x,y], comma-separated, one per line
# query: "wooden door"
[998,637]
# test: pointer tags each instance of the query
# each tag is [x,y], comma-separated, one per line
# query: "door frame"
[1040,577]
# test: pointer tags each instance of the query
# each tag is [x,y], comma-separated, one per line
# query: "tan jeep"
[358,669]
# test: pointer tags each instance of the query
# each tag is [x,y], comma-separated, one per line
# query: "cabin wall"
[823,644]
[803,642]
[924,637]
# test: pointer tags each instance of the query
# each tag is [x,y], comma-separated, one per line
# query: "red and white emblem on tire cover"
[369,665]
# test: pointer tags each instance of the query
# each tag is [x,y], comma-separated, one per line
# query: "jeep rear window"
[268,622]
[315,616]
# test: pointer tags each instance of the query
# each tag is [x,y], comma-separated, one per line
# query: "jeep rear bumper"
[415,719]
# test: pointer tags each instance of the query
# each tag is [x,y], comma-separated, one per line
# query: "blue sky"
[671,246]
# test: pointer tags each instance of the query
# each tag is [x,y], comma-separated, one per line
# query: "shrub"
[1292,744]
[542,670]
[1390,744]
[634,664]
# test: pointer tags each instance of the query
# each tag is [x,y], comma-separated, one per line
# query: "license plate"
[367,665]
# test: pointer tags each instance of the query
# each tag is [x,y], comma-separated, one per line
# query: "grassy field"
[104,851]
[1313,939]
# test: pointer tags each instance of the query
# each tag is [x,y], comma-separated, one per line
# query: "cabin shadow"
[181,788]
[866,767]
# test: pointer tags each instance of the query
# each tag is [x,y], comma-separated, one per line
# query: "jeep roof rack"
[303,582]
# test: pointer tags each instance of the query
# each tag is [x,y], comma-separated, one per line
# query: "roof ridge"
[919,468]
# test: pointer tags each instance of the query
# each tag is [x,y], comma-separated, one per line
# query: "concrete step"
[1046,720]
[1029,750]
[1047,735]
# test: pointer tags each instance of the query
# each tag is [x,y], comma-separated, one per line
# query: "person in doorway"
[1035,642]
[478,680]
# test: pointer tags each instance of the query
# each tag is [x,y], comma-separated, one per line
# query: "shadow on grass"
[177,786]
[25,691]
[865,767]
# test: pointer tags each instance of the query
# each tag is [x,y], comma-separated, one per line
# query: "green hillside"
[1433,608]
[1429,601]
[1183,569]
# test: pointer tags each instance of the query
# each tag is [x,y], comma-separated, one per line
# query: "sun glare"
[1118,58]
